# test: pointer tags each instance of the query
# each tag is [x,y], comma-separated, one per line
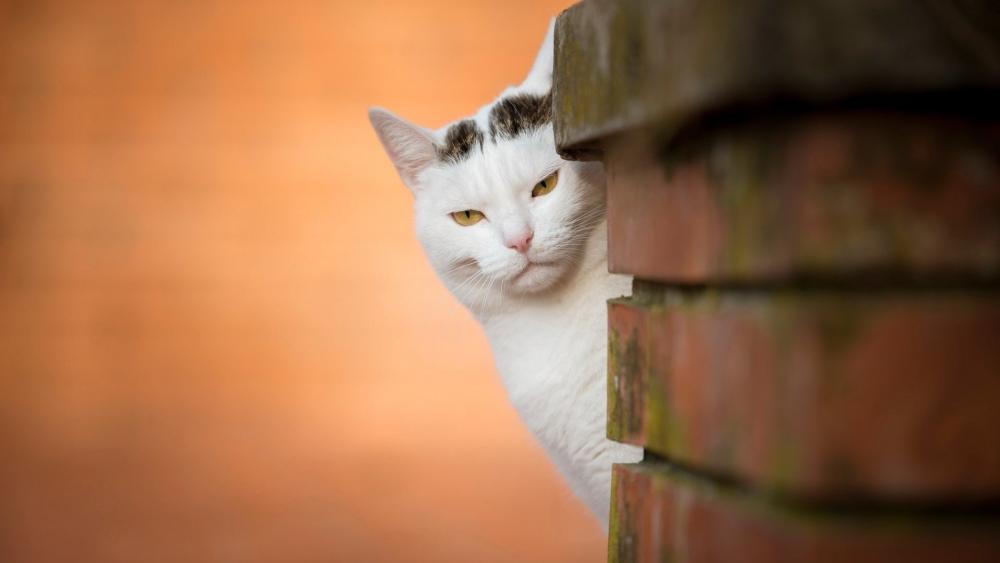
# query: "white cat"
[519,237]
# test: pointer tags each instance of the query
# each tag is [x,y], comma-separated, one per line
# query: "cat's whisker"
[486,294]
[467,279]
[591,215]
[566,245]
[476,288]
[471,281]
[484,289]
[463,263]
[584,222]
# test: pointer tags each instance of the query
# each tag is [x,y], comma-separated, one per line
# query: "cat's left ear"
[540,77]
[410,147]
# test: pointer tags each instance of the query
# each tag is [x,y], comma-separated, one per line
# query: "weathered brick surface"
[630,63]
[661,514]
[817,184]
[845,195]
[823,394]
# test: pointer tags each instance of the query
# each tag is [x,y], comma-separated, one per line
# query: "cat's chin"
[536,277]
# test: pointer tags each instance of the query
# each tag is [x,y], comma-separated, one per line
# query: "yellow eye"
[468,217]
[546,185]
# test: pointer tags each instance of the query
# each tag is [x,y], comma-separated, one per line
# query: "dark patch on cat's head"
[459,140]
[514,115]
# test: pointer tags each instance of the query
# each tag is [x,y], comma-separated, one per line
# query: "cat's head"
[498,212]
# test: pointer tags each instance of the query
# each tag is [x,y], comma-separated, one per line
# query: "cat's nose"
[520,242]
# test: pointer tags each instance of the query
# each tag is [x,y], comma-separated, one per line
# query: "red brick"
[834,196]
[661,514]
[817,393]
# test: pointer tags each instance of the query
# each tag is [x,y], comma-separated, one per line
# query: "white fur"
[543,311]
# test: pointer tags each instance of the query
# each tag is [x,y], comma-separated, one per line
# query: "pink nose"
[521,242]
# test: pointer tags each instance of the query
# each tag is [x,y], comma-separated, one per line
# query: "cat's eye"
[468,217]
[546,185]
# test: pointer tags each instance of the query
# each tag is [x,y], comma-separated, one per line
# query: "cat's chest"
[549,354]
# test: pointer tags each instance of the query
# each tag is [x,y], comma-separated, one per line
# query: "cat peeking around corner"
[518,235]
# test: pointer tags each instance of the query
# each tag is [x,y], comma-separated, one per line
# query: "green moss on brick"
[665,431]
[614,523]
[617,359]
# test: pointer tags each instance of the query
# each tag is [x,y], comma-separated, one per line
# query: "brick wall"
[808,196]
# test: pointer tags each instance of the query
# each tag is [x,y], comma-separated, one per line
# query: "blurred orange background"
[219,340]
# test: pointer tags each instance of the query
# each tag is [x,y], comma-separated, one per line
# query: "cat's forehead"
[514,114]
[494,170]
[507,162]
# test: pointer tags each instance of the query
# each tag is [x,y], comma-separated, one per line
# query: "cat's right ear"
[540,77]
[410,147]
